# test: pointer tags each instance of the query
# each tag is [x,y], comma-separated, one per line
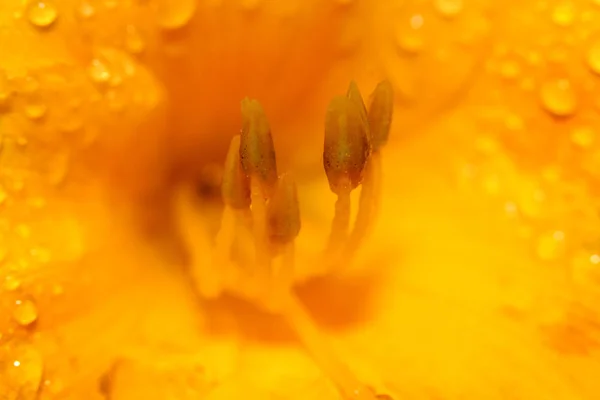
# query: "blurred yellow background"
[481,279]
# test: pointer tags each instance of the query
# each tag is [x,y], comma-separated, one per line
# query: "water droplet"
[99,71]
[21,368]
[593,57]
[410,42]
[173,14]
[563,14]
[86,10]
[133,40]
[42,13]
[583,136]
[11,283]
[35,109]
[25,312]
[111,67]
[409,38]
[551,245]
[416,21]
[449,8]
[558,97]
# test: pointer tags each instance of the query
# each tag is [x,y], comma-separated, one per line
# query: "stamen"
[380,114]
[367,207]
[283,225]
[257,155]
[347,146]
[345,155]
[257,151]
[341,220]
[380,121]
[235,192]
[235,188]
[355,95]
[262,209]
[263,257]
[283,212]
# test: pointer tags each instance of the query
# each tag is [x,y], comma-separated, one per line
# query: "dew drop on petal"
[558,97]
[21,368]
[173,14]
[42,13]
[409,42]
[99,71]
[25,312]
[416,21]
[34,108]
[409,37]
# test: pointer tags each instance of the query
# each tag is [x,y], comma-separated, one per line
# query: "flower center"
[253,251]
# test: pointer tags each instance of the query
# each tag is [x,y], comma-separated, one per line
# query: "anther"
[347,146]
[283,212]
[380,114]
[257,152]
[235,187]
[355,95]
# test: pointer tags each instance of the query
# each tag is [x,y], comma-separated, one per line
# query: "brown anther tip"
[283,212]
[257,152]
[347,146]
[380,114]
[235,187]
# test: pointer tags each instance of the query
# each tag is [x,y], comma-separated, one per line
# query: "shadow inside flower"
[336,303]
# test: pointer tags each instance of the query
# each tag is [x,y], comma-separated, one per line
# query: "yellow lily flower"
[124,276]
